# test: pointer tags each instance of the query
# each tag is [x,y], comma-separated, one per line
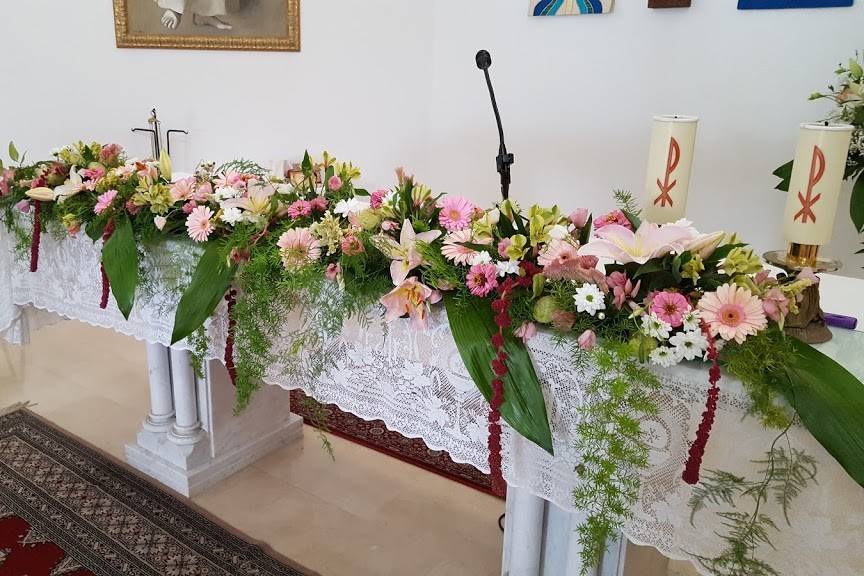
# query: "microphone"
[504,160]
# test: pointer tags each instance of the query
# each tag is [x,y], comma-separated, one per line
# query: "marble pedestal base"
[189,459]
[540,539]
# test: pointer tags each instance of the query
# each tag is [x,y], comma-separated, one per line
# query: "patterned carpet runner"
[69,510]
[374,434]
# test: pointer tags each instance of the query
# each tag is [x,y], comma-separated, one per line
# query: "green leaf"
[95,228]
[120,259]
[784,172]
[830,402]
[524,409]
[855,69]
[651,266]
[210,281]
[721,253]
[306,165]
[13,151]
[585,232]
[856,207]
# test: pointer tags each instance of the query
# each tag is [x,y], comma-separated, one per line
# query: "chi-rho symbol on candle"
[814,188]
[670,158]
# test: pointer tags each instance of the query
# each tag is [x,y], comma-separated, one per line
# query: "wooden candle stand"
[808,325]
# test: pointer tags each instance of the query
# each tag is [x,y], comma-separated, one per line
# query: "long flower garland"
[666,294]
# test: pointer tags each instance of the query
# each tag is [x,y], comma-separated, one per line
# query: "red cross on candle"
[817,170]
[665,187]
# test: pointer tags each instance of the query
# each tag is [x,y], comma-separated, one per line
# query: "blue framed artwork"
[773,4]
[569,7]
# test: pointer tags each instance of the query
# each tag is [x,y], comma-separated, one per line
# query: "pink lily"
[410,298]
[649,242]
[404,253]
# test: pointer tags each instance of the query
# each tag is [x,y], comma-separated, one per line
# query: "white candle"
[817,176]
[667,180]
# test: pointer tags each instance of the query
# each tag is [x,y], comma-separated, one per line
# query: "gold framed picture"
[208,24]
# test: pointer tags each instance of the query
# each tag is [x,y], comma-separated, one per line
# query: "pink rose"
[188,207]
[377,198]
[587,340]
[503,245]
[131,208]
[335,183]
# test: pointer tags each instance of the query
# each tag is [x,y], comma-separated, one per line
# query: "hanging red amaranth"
[499,367]
[106,285]
[37,235]
[231,298]
[697,449]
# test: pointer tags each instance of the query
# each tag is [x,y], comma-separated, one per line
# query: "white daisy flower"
[589,298]
[691,320]
[664,356]
[506,267]
[690,345]
[480,257]
[655,327]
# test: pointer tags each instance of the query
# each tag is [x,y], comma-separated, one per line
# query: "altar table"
[416,383]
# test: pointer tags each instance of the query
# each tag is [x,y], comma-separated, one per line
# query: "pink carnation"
[7,175]
[110,154]
[482,279]
[132,208]
[104,201]
[613,217]
[199,224]
[456,213]
[670,307]
[319,203]
[92,173]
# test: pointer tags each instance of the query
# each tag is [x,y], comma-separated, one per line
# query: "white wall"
[393,82]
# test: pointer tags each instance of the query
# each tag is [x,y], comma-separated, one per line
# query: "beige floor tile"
[364,514]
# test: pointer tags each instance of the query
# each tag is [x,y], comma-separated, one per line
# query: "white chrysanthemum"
[691,321]
[506,267]
[351,206]
[231,215]
[664,356]
[690,345]
[655,327]
[225,193]
[481,257]
[589,298]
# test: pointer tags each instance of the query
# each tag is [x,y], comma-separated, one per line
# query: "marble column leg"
[161,414]
[523,535]
[187,426]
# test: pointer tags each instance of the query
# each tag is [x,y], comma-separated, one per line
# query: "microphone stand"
[504,159]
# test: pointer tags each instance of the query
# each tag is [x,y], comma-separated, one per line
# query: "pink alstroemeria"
[404,253]
[410,297]
[650,241]
[622,288]
[526,331]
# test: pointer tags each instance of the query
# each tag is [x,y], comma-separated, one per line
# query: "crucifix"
[155,131]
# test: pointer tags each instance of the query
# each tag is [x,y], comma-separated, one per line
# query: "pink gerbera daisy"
[298,247]
[453,249]
[670,307]
[733,312]
[104,201]
[199,225]
[456,213]
[482,279]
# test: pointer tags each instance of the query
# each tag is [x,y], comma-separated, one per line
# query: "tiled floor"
[364,514]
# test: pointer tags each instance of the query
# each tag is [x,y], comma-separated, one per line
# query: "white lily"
[42,194]
[73,185]
[404,253]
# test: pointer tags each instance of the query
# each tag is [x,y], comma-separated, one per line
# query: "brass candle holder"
[808,325]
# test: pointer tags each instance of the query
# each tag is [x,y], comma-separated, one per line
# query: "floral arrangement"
[631,297]
[848,96]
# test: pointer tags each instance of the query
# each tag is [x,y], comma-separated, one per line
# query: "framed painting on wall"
[569,7]
[773,4]
[208,24]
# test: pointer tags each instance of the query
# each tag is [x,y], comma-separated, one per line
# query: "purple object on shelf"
[840,321]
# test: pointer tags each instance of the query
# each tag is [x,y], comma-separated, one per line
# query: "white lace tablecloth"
[416,383]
